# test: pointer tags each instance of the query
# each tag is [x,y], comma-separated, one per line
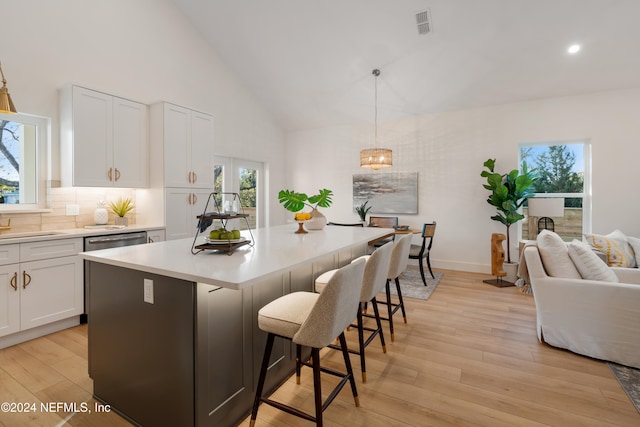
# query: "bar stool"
[313,320]
[397,265]
[374,280]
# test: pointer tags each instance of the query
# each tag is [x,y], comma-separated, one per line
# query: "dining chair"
[421,252]
[384,222]
[312,320]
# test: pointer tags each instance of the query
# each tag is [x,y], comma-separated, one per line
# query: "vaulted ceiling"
[309,62]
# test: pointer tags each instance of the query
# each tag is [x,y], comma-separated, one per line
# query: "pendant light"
[375,158]
[6,104]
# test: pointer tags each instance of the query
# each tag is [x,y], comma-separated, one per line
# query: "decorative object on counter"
[363,210]
[122,207]
[6,104]
[222,239]
[375,158]
[100,215]
[295,202]
[508,193]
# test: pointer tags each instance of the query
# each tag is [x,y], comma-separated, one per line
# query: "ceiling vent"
[423,19]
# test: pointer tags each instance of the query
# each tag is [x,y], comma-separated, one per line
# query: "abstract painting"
[387,193]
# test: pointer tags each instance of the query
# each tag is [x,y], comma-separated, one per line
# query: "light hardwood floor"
[469,356]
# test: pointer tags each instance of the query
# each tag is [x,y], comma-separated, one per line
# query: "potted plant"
[508,193]
[122,207]
[295,202]
[362,211]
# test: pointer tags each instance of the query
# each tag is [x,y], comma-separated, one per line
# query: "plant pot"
[122,220]
[317,221]
[511,268]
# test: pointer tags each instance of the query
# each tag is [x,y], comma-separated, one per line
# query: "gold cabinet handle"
[26,279]
[110,175]
[189,177]
[117,174]
[195,177]
[14,281]
[195,199]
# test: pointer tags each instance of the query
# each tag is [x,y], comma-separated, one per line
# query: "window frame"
[43,147]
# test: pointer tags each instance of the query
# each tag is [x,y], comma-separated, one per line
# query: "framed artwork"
[387,193]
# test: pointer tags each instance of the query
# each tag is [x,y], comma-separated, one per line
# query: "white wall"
[448,151]
[143,50]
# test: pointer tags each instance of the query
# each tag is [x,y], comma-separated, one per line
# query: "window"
[23,142]
[563,170]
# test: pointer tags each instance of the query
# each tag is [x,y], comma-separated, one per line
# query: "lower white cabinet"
[155,236]
[183,205]
[42,282]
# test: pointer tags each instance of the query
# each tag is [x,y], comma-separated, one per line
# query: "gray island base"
[173,337]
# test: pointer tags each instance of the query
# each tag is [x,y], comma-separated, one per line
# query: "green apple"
[236,234]
[214,234]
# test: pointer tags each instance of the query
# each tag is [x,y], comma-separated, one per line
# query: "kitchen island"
[173,337]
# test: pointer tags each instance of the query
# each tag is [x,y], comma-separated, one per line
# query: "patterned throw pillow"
[615,246]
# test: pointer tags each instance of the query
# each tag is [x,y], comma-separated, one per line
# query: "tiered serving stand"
[207,218]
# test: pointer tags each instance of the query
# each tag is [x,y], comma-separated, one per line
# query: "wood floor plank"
[469,356]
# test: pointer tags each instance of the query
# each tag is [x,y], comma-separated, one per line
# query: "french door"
[244,177]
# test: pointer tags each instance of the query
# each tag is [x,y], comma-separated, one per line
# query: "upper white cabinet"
[104,140]
[186,139]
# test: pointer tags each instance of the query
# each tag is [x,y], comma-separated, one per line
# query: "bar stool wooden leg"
[363,366]
[376,313]
[347,362]
[298,362]
[390,311]
[317,387]
[263,375]
[404,313]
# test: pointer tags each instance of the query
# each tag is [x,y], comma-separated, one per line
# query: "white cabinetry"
[42,282]
[104,140]
[187,139]
[155,236]
[182,207]
[182,159]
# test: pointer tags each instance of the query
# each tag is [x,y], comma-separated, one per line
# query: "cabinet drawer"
[34,251]
[9,254]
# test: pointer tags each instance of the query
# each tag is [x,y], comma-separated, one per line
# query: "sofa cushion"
[615,246]
[589,264]
[635,245]
[555,256]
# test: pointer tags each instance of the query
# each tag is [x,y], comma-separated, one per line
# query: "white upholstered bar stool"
[312,320]
[397,265]
[374,280]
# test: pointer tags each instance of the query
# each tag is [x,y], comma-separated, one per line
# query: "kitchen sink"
[29,234]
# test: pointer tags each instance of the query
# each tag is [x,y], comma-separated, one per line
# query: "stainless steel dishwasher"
[107,241]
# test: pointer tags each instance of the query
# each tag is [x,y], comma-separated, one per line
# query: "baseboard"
[40,331]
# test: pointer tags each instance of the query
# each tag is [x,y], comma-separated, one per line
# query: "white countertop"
[277,249]
[9,237]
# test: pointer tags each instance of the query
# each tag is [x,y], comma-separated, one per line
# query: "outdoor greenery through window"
[19,151]
[562,171]
[247,179]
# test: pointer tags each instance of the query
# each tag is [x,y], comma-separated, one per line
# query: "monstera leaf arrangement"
[295,202]
[508,193]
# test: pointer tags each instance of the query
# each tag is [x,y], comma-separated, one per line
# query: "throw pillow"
[555,256]
[590,266]
[615,246]
[635,245]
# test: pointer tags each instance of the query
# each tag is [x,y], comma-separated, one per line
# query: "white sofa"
[589,317]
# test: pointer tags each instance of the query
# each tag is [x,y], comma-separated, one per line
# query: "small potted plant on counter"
[122,207]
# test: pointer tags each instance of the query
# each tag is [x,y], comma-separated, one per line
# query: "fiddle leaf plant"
[509,191]
[295,202]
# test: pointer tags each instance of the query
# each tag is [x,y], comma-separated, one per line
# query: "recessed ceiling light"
[573,49]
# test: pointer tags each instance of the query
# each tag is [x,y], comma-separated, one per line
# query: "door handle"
[14,281]
[117,174]
[26,279]
[110,174]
